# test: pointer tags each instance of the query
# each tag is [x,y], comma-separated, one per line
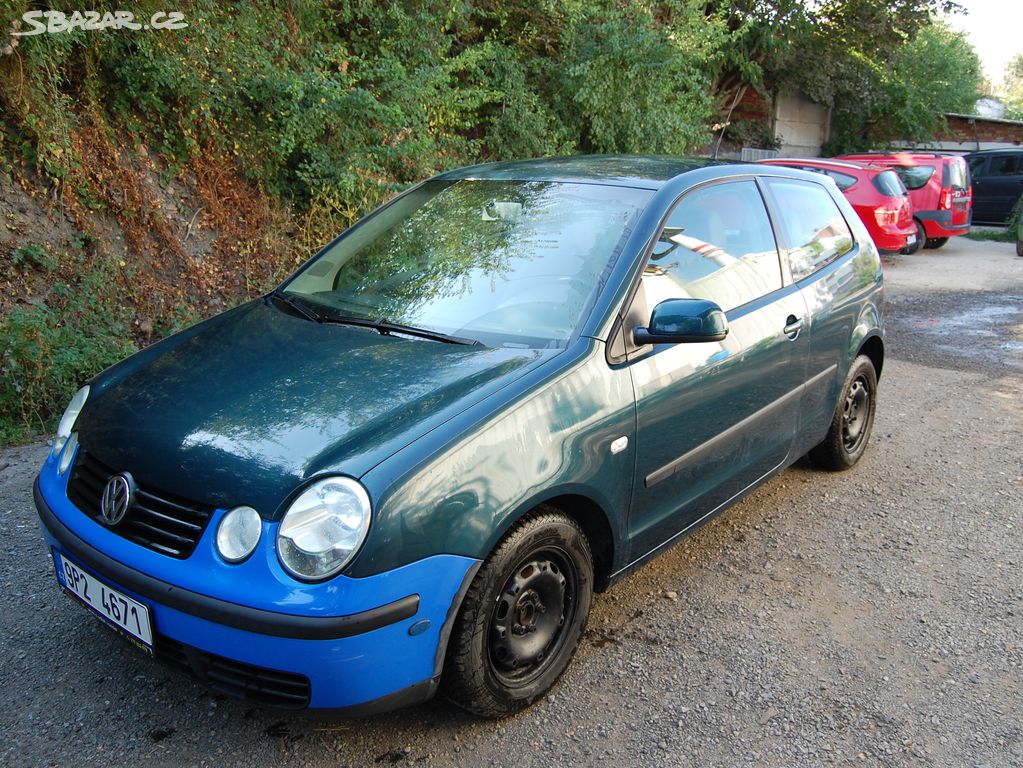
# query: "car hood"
[246,406]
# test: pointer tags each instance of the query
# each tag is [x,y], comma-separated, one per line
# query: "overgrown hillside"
[149,178]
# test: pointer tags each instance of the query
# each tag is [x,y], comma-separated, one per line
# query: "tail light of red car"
[888,215]
[945,200]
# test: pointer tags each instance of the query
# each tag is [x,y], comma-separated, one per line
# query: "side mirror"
[683,320]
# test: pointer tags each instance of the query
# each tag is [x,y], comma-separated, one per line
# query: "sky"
[994,29]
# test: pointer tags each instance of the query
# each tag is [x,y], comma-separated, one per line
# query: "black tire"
[1019,245]
[921,236]
[854,418]
[522,617]
[935,242]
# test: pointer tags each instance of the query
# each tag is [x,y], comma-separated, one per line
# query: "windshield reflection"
[511,263]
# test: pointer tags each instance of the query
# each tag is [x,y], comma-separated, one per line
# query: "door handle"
[793,325]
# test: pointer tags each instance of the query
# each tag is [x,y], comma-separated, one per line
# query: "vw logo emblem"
[118,496]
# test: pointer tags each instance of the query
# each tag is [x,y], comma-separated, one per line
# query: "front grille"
[286,690]
[158,521]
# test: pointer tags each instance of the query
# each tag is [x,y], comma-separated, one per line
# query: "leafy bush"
[32,256]
[47,353]
[664,72]
[291,120]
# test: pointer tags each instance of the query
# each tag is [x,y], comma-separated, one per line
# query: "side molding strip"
[676,465]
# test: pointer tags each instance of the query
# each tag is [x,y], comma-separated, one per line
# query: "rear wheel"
[522,618]
[935,242]
[921,236]
[853,420]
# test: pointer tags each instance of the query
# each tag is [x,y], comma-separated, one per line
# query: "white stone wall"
[800,125]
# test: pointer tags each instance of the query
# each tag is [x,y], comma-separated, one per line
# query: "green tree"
[906,95]
[639,81]
[1012,88]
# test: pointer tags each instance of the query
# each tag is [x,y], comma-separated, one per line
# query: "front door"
[714,417]
[997,187]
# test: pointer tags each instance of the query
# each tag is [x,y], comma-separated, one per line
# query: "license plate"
[910,239]
[127,616]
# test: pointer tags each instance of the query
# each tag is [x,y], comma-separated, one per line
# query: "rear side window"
[889,184]
[955,175]
[842,180]
[813,230]
[914,176]
[717,244]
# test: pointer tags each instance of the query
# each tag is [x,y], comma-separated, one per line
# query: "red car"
[876,194]
[939,190]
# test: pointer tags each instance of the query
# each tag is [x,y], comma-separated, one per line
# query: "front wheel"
[522,617]
[853,420]
[935,242]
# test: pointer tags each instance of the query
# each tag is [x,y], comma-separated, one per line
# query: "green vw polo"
[409,467]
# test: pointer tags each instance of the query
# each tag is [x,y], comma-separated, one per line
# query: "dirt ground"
[868,618]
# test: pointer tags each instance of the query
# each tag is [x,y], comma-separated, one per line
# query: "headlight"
[324,528]
[238,534]
[67,421]
[69,453]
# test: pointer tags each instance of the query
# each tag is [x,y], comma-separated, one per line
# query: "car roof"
[813,161]
[645,171]
[995,151]
[902,158]
[827,162]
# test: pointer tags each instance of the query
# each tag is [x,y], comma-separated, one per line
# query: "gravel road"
[869,618]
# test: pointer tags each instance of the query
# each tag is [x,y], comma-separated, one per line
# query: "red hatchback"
[876,194]
[939,190]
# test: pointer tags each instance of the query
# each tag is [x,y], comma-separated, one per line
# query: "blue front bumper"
[353,639]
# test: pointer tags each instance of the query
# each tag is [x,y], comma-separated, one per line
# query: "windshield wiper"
[424,333]
[387,329]
[304,311]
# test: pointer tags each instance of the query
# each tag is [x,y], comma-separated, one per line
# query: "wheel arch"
[867,337]
[873,347]
[588,514]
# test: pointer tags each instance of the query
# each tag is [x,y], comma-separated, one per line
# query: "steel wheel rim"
[531,616]
[855,415]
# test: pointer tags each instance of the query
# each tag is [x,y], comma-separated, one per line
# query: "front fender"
[459,489]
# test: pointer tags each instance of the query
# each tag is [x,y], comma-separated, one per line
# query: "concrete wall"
[800,125]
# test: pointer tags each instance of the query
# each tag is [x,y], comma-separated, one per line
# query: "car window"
[812,229]
[888,183]
[843,180]
[1004,165]
[509,263]
[717,244]
[914,176]
[957,177]
[977,164]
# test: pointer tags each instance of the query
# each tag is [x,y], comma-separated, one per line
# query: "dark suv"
[997,183]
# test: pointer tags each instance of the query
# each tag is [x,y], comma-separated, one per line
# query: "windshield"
[506,263]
